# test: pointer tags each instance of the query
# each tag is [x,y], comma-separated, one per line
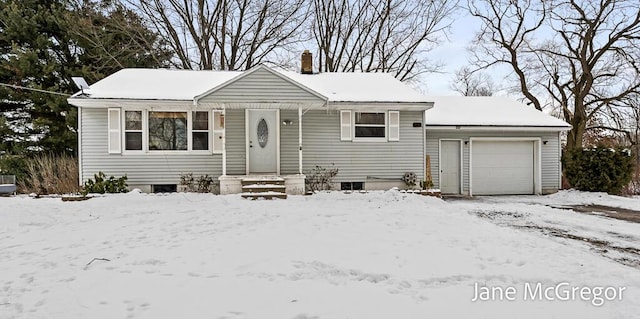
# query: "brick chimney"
[306,67]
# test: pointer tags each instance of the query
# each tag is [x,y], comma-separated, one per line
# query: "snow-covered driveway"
[374,255]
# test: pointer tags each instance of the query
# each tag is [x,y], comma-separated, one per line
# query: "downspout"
[559,160]
[424,148]
[80,146]
[300,140]
[224,140]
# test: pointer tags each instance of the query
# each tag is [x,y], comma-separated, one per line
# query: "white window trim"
[123,124]
[145,133]
[209,131]
[370,139]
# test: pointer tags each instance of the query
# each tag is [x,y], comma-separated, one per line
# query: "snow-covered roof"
[487,111]
[358,87]
[158,84]
[163,84]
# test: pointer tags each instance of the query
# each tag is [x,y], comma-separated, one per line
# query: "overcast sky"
[453,54]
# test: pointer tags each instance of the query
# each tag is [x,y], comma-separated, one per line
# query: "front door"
[262,141]
[450,167]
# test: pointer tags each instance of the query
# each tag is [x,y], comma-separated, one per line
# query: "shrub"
[599,169]
[100,184]
[188,181]
[204,183]
[201,184]
[320,178]
[50,174]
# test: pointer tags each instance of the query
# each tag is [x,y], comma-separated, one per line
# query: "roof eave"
[384,105]
[88,102]
[481,127]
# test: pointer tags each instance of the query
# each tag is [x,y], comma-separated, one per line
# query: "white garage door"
[501,167]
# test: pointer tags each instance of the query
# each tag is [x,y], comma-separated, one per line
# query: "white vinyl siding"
[261,86]
[114,140]
[356,162]
[140,167]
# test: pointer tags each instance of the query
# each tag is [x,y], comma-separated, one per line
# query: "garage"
[503,167]
[497,145]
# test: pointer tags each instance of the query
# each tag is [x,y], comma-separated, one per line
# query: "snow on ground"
[573,197]
[333,255]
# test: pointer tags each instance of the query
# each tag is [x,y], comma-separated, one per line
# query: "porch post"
[224,142]
[300,140]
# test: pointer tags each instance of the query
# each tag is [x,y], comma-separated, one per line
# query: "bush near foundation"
[100,184]
[598,169]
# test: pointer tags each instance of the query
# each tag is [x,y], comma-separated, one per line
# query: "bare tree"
[623,122]
[225,34]
[472,83]
[579,56]
[379,35]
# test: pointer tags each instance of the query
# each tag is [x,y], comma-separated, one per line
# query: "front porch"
[265,185]
[261,147]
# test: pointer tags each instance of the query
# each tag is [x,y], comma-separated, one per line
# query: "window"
[160,130]
[200,131]
[133,130]
[351,186]
[370,125]
[167,131]
[164,188]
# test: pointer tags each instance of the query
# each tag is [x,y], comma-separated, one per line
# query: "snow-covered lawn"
[334,255]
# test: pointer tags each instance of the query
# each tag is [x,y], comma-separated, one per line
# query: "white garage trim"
[460,167]
[537,150]
[559,160]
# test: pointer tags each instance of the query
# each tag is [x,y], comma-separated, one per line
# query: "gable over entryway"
[260,85]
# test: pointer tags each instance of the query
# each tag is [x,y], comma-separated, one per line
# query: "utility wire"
[32,89]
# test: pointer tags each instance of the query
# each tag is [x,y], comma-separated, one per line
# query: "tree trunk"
[574,136]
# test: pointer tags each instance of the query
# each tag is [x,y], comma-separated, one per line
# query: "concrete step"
[261,188]
[265,195]
[267,187]
[270,180]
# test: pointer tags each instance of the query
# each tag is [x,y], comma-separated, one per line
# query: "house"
[269,126]
[493,146]
[154,125]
